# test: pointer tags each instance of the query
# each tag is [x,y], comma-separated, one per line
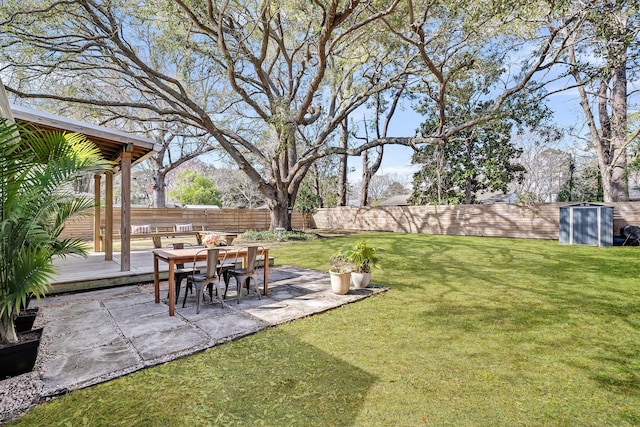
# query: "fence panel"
[229,220]
[534,221]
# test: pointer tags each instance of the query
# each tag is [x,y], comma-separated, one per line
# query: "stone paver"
[133,327]
[231,325]
[158,344]
[96,336]
[57,326]
[78,341]
[73,310]
[68,372]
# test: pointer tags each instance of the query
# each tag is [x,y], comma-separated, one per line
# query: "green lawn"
[474,331]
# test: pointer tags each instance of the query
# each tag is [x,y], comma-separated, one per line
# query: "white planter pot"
[340,282]
[360,280]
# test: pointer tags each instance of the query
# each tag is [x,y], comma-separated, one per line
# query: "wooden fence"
[534,221]
[230,220]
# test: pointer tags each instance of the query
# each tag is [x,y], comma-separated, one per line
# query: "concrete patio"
[95,336]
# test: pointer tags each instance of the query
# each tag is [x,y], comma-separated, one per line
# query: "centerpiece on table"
[211,240]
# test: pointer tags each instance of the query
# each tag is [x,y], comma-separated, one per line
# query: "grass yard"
[474,332]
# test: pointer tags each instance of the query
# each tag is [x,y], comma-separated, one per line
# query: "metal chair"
[631,233]
[206,280]
[180,273]
[244,275]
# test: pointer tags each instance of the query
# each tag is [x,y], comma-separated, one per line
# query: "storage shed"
[586,224]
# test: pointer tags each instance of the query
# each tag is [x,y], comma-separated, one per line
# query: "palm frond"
[36,168]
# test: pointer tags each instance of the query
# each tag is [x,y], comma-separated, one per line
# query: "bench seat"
[158,232]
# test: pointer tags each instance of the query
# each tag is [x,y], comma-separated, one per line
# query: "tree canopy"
[193,188]
[272,81]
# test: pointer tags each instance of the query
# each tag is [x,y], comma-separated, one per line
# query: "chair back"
[212,262]
[252,254]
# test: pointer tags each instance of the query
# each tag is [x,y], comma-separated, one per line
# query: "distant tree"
[383,186]
[193,188]
[375,129]
[477,160]
[236,189]
[179,145]
[141,185]
[480,157]
[584,185]
[307,202]
[547,166]
[395,189]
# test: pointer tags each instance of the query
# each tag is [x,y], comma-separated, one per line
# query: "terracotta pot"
[340,281]
[360,280]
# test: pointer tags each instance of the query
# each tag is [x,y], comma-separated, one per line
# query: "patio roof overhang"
[111,142]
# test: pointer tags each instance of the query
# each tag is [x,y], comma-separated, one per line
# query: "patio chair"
[244,275]
[631,234]
[180,273]
[203,281]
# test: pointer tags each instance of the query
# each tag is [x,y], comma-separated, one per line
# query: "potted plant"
[340,274]
[36,173]
[25,319]
[26,316]
[363,257]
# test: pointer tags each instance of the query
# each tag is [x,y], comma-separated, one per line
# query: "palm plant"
[36,172]
[362,256]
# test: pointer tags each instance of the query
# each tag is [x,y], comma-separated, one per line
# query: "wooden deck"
[76,273]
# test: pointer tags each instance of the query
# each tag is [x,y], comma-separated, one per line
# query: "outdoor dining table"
[184,256]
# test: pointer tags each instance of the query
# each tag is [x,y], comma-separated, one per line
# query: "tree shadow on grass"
[269,378]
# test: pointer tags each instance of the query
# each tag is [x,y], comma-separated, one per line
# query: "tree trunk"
[468,185]
[342,170]
[366,179]
[468,192]
[619,182]
[610,146]
[159,190]
[7,329]
[610,140]
[316,185]
[280,218]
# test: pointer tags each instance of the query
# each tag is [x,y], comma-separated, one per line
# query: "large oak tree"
[255,75]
